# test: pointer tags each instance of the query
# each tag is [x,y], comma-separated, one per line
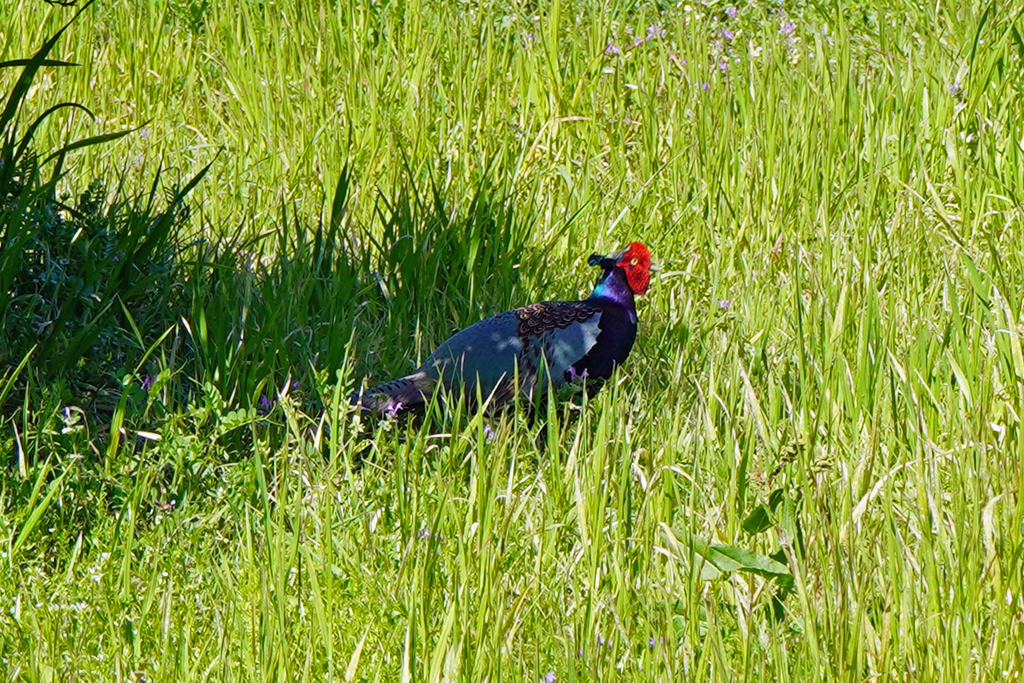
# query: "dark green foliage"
[296,299]
[92,280]
[191,14]
[83,286]
[437,269]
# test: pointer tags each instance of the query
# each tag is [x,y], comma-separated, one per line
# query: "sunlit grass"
[829,370]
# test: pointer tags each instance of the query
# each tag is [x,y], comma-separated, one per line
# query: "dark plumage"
[519,350]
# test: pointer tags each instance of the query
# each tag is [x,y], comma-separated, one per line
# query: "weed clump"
[86,284]
[83,284]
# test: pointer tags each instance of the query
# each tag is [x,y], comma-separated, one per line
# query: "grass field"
[809,469]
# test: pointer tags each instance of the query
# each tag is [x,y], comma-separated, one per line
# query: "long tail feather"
[396,395]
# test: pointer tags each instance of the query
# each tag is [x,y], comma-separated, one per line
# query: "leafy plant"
[79,283]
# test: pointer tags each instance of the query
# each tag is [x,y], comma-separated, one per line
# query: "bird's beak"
[607,262]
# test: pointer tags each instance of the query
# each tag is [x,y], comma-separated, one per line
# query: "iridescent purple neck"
[614,287]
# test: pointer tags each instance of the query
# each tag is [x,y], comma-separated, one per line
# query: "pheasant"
[518,351]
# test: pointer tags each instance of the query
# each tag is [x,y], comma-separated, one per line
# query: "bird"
[519,352]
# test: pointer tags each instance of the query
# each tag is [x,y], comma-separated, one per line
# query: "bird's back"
[520,349]
[485,354]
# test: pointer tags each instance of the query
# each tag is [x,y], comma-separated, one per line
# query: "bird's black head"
[606,262]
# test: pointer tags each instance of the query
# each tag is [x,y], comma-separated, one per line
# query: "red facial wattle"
[636,263]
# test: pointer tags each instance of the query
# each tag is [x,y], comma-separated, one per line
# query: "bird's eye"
[633,261]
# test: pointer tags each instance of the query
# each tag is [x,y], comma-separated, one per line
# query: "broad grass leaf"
[715,560]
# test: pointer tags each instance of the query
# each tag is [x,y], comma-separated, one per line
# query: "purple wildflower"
[392,409]
[612,49]
[704,86]
[787,29]
[638,42]
[423,534]
[955,88]
[265,405]
[295,385]
[574,376]
[549,677]
[147,382]
[727,34]
[600,640]
[489,432]
[655,31]
[731,12]
[652,642]
[723,66]
[723,304]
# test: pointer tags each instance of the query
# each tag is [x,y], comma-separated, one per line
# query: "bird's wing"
[519,343]
[485,352]
[560,333]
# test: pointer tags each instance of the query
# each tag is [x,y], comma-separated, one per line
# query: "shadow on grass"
[120,330]
[109,305]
